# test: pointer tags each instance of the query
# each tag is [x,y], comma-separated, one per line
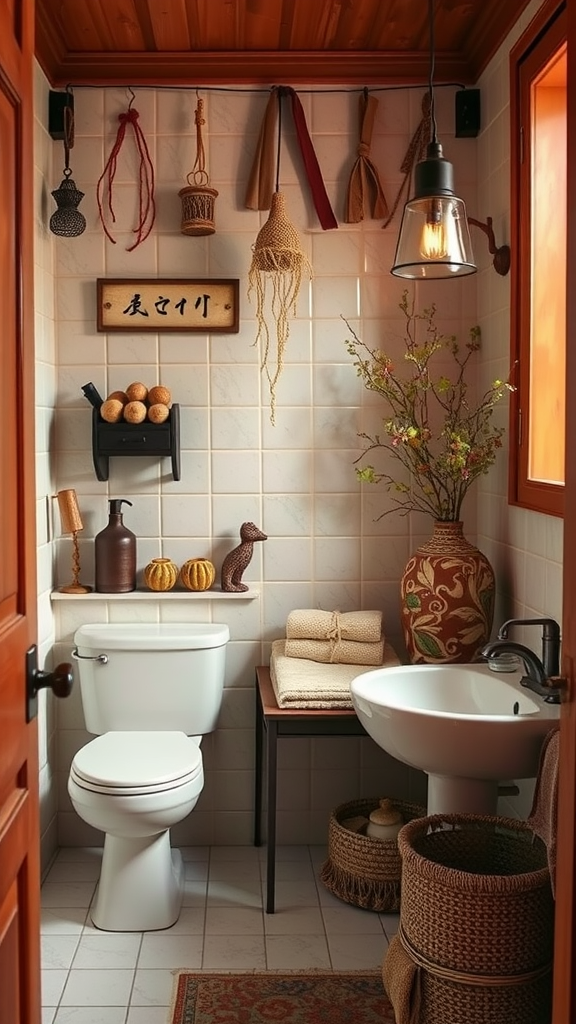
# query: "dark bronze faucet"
[536,679]
[550,641]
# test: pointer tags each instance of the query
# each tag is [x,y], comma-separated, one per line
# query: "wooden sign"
[205,305]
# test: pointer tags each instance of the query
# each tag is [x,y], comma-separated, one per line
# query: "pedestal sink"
[466,726]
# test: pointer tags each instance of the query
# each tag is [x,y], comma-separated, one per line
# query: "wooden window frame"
[547,27]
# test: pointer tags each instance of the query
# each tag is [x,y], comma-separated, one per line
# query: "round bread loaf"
[135,412]
[159,394]
[137,392]
[111,410]
[158,413]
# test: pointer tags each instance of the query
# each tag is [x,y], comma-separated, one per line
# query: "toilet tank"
[151,676]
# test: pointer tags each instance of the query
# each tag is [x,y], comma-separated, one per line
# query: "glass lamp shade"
[434,239]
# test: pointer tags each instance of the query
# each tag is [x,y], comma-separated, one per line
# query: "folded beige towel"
[299,683]
[314,624]
[544,812]
[337,652]
[401,979]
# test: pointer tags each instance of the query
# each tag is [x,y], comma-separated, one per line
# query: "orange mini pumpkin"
[160,574]
[197,574]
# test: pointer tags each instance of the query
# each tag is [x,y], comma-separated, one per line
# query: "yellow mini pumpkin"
[160,574]
[197,574]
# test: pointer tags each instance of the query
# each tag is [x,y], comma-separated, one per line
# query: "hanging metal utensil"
[197,197]
[67,219]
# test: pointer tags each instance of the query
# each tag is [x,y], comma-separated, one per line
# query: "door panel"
[19,841]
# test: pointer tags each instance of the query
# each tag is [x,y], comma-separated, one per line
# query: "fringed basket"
[360,869]
[476,922]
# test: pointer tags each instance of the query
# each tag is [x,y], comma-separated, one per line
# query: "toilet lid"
[137,761]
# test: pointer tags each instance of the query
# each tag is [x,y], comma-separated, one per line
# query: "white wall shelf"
[163,595]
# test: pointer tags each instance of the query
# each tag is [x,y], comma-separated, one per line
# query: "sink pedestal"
[461,796]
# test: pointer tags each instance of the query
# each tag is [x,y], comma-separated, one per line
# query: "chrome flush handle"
[102,658]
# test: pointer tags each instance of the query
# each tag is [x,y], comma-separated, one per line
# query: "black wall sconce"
[501,254]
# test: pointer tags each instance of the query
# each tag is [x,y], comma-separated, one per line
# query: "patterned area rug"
[290,997]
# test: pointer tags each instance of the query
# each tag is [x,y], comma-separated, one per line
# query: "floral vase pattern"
[447,593]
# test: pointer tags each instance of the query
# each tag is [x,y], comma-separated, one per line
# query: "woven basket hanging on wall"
[198,198]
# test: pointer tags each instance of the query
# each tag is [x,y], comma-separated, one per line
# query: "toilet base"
[141,884]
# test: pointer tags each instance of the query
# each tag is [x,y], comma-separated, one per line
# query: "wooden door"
[19,843]
[565,933]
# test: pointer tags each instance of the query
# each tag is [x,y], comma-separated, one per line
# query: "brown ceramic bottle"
[115,553]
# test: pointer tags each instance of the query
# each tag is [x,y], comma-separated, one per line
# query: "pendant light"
[434,239]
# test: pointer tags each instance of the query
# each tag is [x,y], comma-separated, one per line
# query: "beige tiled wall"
[326,546]
[525,547]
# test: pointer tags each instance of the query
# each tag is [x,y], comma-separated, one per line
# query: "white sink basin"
[468,727]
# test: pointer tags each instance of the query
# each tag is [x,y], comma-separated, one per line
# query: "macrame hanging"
[146,203]
[275,276]
[197,197]
[416,151]
[364,187]
[67,219]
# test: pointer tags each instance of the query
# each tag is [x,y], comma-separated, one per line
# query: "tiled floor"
[95,977]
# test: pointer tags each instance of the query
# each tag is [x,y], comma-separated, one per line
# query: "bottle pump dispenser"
[115,553]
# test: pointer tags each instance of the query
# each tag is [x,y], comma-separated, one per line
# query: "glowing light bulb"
[433,244]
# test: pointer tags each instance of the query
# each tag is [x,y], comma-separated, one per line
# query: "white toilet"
[149,692]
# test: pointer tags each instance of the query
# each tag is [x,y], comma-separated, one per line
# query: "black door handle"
[60,681]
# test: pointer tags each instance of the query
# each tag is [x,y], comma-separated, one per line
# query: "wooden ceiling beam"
[259,68]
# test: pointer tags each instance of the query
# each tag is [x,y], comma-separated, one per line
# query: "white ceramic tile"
[57,951]
[296,894]
[152,988]
[287,559]
[235,428]
[227,894]
[98,988]
[101,951]
[53,982]
[291,952]
[290,515]
[234,921]
[348,920]
[72,894]
[190,922]
[62,920]
[75,871]
[238,871]
[287,473]
[235,472]
[234,952]
[90,1015]
[147,1015]
[357,952]
[173,951]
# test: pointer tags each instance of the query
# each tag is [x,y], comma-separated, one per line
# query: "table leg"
[271,750]
[259,752]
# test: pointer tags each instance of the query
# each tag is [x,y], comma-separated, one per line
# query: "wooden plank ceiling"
[194,42]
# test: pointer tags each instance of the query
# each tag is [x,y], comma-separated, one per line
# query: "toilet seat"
[137,763]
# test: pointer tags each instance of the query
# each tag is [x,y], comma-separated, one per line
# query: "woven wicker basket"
[360,869]
[477,916]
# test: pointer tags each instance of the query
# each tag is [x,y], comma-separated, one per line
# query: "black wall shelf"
[162,439]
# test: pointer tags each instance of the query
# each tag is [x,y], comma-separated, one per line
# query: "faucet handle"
[551,627]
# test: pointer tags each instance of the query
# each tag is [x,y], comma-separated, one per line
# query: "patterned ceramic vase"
[447,594]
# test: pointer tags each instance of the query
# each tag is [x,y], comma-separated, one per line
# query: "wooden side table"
[273,723]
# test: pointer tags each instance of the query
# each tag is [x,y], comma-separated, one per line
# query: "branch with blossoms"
[443,440]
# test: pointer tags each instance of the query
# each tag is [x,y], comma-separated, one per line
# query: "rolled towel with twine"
[336,651]
[314,624]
